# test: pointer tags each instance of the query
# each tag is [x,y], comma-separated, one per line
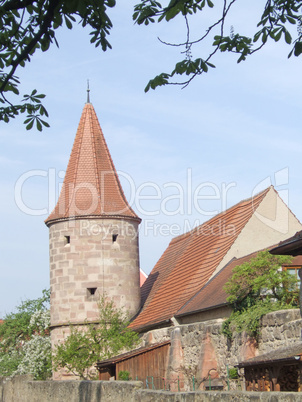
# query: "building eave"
[50,222]
[291,246]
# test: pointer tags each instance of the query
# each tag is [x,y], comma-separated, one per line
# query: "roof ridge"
[285,204]
[75,171]
[112,164]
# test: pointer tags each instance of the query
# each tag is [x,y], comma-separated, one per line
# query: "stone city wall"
[22,389]
[197,349]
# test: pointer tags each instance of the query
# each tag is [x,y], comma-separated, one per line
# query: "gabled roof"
[189,262]
[91,186]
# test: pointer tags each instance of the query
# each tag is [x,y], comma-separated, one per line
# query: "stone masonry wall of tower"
[88,259]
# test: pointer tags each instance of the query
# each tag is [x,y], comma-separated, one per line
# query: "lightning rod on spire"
[88,90]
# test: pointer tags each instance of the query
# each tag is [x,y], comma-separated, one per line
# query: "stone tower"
[93,235]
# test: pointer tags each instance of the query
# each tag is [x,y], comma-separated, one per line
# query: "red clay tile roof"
[212,294]
[189,261]
[91,186]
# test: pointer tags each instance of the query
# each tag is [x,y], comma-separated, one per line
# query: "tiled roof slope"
[212,294]
[91,186]
[189,261]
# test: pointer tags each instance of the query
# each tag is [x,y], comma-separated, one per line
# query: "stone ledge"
[23,389]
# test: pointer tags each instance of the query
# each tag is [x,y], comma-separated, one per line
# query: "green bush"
[82,349]
[124,376]
[258,287]
[233,373]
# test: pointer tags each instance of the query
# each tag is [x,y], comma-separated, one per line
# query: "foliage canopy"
[256,288]
[83,348]
[277,19]
[30,25]
[25,342]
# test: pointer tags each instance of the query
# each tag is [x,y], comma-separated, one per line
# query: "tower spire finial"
[88,90]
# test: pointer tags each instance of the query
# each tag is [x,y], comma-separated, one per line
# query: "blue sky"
[234,128]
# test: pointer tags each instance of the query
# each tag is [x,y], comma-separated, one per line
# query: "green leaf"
[203,66]
[171,13]
[30,125]
[68,22]
[291,20]
[257,35]
[278,36]
[298,49]
[159,80]
[211,65]
[264,37]
[45,123]
[111,3]
[210,4]
[40,96]
[39,125]
[288,38]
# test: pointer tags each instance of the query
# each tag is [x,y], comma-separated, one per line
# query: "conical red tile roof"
[91,186]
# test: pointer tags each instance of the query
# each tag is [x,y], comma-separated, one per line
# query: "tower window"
[91,293]
[66,240]
[114,238]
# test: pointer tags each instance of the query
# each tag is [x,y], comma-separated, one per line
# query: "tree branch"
[26,51]
[16,4]
[226,10]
